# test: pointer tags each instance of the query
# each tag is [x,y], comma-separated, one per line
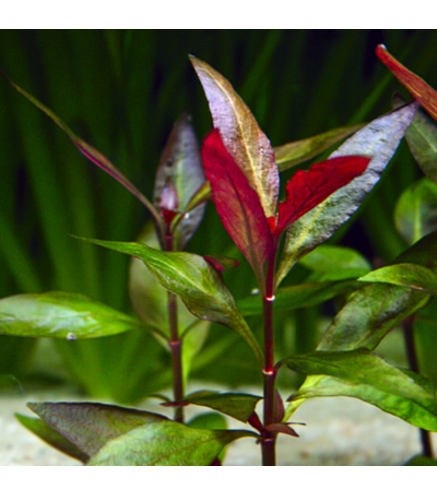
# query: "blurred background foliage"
[121,91]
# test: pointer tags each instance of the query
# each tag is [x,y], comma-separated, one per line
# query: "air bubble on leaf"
[254,292]
[71,336]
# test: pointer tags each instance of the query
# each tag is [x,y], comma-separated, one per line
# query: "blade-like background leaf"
[377,140]
[181,163]
[166,444]
[241,135]
[292,154]
[61,315]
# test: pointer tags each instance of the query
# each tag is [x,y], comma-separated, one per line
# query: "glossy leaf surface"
[416,211]
[405,275]
[364,375]
[195,281]
[90,426]
[238,205]
[377,140]
[52,437]
[238,406]
[307,189]
[420,90]
[181,165]
[166,444]
[241,135]
[61,315]
[91,153]
[292,154]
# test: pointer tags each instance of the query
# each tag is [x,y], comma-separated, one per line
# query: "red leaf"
[307,189]
[421,91]
[238,205]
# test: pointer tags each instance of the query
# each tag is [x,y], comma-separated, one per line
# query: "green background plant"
[122,91]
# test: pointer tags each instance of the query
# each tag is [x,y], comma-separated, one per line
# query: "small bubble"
[254,292]
[71,336]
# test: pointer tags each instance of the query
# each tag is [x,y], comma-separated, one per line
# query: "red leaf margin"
[237,204]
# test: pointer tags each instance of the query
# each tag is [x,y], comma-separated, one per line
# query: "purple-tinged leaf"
[377,140]
[421,91]
[241,135]
[92,154]
[90,426]
[238,205]
[221,263]
[292,154]
[306,190]
[282,428]
[180,175]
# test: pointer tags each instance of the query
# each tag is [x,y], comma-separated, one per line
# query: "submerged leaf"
[90,426]
[63,315]
[166,444]
[292,154]
[377,140]
[238,205]
[241,135]
[420,90]
[195,281]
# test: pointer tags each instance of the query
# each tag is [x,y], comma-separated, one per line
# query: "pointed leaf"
[377,140]
[52,437]
[416,211]
[181,165]
[90,426]
[292,154]
[282,428]
[197,283]
[63,315]
[91,153]
[202,195]
[221,263]
[299,296]
[241,135]
[364,375]
[405,275]
[238,406]
[166,444]
[420,90]
[306,190]
[208,421]
[238,205]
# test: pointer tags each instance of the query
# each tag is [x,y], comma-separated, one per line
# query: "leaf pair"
[239,164]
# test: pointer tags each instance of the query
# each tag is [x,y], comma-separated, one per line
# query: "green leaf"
[292,154]
[364,375]
[238,406]
[405,275]
[421,460]
[166,444]
[193,342]
[208,421]
[180,167]
[52,437]
[92,154]
[377,140]
[61,315]
[90,426]
[195,281]
[241,135]
[202,195]
[416,210]
[298,296]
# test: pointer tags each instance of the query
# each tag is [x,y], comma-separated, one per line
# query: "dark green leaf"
[208,421]
[377,140]
[52,437]
[195,281]
[181,166]
[61,315]
[238,406]
[292,154]
[90,426]
[416,210]
[298,296]
[421,460]
[405,275]
[364,375]
[166,444]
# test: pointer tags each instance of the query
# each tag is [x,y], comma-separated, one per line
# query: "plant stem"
[410,345]
[175,344]
[269,372]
